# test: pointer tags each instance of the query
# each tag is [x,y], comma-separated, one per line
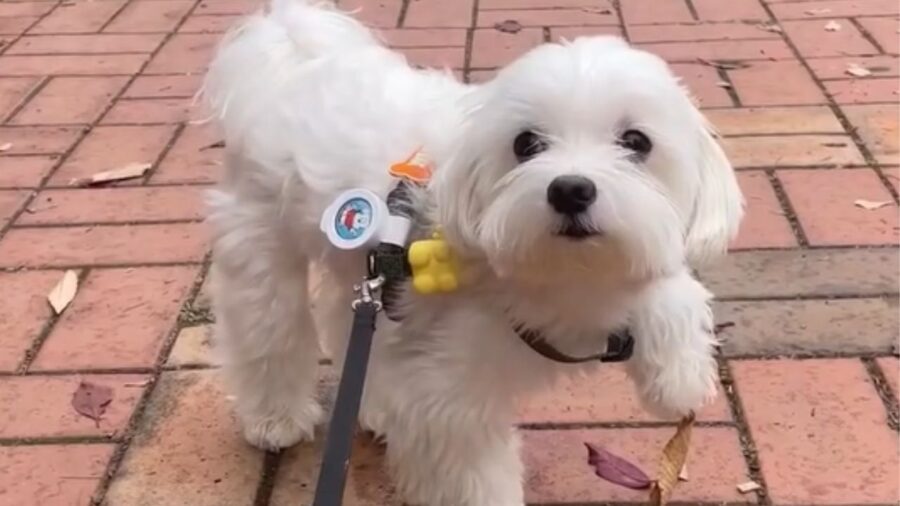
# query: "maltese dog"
[576,189]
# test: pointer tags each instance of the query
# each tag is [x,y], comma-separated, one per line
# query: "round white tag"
[354,219]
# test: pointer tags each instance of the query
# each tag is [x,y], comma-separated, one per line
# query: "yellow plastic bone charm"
[434,269]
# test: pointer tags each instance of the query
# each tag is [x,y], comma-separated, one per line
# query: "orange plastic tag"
[415,168]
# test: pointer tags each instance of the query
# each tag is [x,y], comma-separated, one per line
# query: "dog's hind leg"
[264,329]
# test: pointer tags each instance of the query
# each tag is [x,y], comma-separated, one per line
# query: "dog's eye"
[527,145]
[636,141]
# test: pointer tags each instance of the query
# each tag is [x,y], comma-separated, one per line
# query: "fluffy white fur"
[311,104]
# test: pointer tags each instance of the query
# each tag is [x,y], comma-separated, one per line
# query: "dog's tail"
[256,57]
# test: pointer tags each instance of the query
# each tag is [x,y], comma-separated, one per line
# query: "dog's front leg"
[673,364]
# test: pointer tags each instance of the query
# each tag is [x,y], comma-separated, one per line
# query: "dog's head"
[587,157]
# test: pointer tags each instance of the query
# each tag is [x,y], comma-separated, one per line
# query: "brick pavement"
[810,373]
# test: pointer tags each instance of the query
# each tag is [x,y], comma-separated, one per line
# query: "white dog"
[574,188]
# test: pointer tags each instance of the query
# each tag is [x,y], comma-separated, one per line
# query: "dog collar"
[619,347]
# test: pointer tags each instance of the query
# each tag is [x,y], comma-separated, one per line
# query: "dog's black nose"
[571,194]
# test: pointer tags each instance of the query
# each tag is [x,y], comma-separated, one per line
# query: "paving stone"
[436,13]
[70,100]
[765,224]
[209,24]
[164,86]
[39,140]
[826,10]
[115,205]
[78,17]
[724,50]
[383,13]
[152,111]
[774,120]
[185,53]
[87,44]
[824,202]
[191,158]
[684,32]
[149,16]
[72,64]
[812,40]
[702,82]
[250,6]
[788,327]
[804,273]
[877,125]
[820,430]
[119,318]
[493,48]
[13,90]
[193,346]
[24,312]
[41,406]
[550,17]
[486,5]
[836,67]
[10,203]
[24,171]
[775,83]
[792,151]
[884,31]
[570,33]
[558,473]
[187,449]
[714,10]
[890,367]
[436,57]
[52,474]
[863,91]
[635,12]
[424,37]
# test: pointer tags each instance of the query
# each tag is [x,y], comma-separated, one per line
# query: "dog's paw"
[671,394]
[275,432]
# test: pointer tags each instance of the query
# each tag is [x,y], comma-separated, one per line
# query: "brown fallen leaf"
[724,64]
[129,171]
[683,475]
[832,26]
[615,469]
[871,205]
[747,487]
[91,400]
[858,70]
[723,84]
[672,462]
[5,147]
[508,26]
[64,291]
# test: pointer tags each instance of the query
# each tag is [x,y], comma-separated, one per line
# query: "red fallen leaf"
[91,400]
[615,469]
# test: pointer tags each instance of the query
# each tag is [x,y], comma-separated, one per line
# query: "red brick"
[78,17]
[209,24]
[884,31]
[719,50]
[52,474]
[833,8]
[150,16]
[436,57]
[48,65]
[775,83]
[118,244]
[25,9]
[70,100]
[808,416]
[249,6]
[775,120]
[109,147]
[424,37]
[377,14]
[86,44]
[550,17]
[606,395]
[24,171]
[557,471]
[715,10]
[493,48]
[23,313]
[697,32]
[890,367]
[43,140]
[10,202]
[184,54]
[811,38]
[702,81]
[655,11]
[542,4]
[115,205]
[41,406]
[878,127]
[823,200]
[191,160]
[16,26]
[188,449]
[570,33]
[765,224]
[164,86]
[119,318]
[13,90]
[149,111]
[836,68]
[438,13]
[863,91]
[792,151]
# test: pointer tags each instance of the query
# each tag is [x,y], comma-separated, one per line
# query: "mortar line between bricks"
[809,355]
[789,211]
[16,38]
[470,42]
[805,297]
[692,9]
[835,108]
[176,134]
[648,424]
[880,384]
[617,7]
[151,184]
[33,92]
[730,90]
[56,440]
[266,486]
[401,16]
[100,265]
[66,53]
[114,16]
[866,34]
[748,445]
[174,221]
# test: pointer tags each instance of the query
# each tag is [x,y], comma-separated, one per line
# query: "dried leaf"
[129,171]
[673,459]
[871,205]
[215,145]
[91,400]
[615,469]
[770,27]
[857,70]
[816,12]
[596,10]
[723,84]
[64,291]
[5,147]
[683,475]
[832,26]
[724,65]
[747,487]
[508,26]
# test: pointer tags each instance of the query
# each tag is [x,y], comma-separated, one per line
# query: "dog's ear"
[719,204]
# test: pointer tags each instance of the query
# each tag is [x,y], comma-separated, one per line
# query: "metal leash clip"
[367,292]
